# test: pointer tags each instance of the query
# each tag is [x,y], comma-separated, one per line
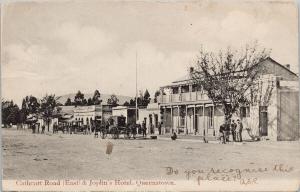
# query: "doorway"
[263,120]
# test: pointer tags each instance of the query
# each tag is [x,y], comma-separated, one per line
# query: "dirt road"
[36,156]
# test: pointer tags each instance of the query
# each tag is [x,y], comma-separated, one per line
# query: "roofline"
[282,66]
[268,58]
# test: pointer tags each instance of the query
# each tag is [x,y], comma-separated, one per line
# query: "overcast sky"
[64,46]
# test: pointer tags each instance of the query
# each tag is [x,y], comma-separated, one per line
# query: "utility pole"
[136,94]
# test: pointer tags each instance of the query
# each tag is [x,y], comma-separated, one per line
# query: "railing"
[175,98]
[189,96]
[185,96]
[193,96]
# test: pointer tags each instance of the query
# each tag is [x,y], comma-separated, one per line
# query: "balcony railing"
[175,98]
[183,97]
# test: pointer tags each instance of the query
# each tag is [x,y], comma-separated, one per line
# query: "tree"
[126,103]
[90,102]
[113,100]
[78,99]
[10,113]
[228,76]
[132,102]
[30,105]
[68,102]
[156,94]
[84,102]
[96,98]
[146,98]
[48,106]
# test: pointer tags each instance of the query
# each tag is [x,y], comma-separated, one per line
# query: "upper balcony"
[183,97]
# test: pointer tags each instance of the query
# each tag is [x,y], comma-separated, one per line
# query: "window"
[175,90]
[244,112]
[185,89]
[196,87]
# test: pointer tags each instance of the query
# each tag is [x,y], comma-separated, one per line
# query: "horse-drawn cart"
[116,126]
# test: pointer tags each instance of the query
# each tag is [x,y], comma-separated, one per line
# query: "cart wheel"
[127,135]
[115,133]
[103,134]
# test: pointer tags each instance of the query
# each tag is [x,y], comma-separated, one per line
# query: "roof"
[67,109]
[186,79]
[275,62]
[183,78]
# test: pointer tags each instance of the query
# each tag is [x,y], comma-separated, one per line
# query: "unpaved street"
[36,156]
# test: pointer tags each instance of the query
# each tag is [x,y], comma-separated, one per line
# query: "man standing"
[159,128]
[233,130]
[227,130]
[239,130]
[222,133]
[144,129]
[43,129]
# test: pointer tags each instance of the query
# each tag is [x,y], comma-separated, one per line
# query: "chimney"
[288,66]
[191,69]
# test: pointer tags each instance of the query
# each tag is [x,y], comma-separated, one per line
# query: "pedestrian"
[38,127]
[233,130]
[222,133]
[159,128]
[144,129]
[151,128]
[33,127]
[239,130]
[174,136]
[134,130]
[227,130]
[43,129]
[139,128]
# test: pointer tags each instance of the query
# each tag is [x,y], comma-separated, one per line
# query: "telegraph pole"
[136,94]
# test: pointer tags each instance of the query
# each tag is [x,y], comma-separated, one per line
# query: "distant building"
[150,115]
[186,109]
[86,114]
[128,112]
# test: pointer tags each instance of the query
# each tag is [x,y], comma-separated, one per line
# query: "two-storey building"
[185,108]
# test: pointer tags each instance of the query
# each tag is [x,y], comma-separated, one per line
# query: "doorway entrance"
[263,120]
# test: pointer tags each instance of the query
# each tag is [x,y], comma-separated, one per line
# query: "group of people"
[36,128]
[142,129]
[230,127]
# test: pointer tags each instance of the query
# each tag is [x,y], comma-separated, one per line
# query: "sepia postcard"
[139,95]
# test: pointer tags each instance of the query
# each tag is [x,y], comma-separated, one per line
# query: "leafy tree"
[132,102]
[10,113]
[30,105]
[113,100]
[126,103]
[156,94]
[48,106]
[68,102]
[96,98]
[90,102]
[78,99]
[146,98]
[228,76]
[146,95]
[84,102]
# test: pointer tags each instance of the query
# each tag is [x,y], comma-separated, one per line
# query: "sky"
[60,47]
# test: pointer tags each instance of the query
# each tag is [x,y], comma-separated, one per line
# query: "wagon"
[116,126]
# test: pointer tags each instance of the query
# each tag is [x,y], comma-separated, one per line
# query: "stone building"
[186,109]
